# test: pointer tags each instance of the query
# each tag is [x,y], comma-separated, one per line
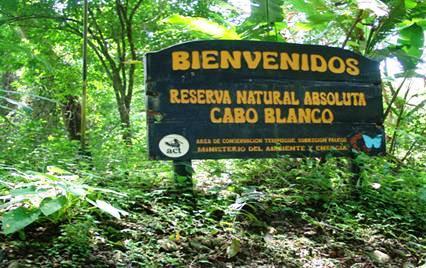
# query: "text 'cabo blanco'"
[314,104]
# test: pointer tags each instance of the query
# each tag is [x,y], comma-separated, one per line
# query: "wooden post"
[183,174]
[183,178]
[84,76]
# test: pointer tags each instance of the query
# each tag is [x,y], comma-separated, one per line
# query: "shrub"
[35,197]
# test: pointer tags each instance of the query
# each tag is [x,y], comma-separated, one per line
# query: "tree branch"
[134,9]
[395,94]
[101,40]
[398,120]
[122,54]
[348,35]
[32,17]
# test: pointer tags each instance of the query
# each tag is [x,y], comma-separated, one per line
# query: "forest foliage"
[110,200]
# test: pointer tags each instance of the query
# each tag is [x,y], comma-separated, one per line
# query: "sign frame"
[178,73]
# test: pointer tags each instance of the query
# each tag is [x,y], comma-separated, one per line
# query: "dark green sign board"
[249,99]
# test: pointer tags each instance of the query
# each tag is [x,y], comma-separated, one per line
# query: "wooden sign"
[249,99]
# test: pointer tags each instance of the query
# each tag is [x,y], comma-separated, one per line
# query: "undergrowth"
[290,212]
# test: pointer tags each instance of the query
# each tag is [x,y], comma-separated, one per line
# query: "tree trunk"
[123,107]
[71,112]
[125,123]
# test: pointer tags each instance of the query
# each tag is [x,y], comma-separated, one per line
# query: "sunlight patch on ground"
[207,182]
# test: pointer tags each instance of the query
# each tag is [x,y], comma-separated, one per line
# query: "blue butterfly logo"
[370,142]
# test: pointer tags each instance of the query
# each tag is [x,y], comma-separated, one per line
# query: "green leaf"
[77,190]
[105,190]
[266,11]
[412,35]
[406,23]
[46,175]
[317,13]
[420,22]
[409,4]
[410,46]
[204,26]
[56,170]
[23,191]
[300,26]
[413,51]
[18,219]
[233,249]
[303,6]
[106,207]
[50,205]
[320,18]
[9,6]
